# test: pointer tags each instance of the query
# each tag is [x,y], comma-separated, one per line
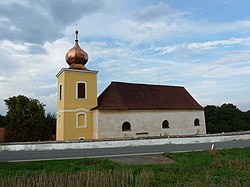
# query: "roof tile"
[129,96]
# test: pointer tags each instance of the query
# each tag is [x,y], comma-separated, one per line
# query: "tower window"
[165,124]
[126,126]
[81,90]
[60,92]
[196,122]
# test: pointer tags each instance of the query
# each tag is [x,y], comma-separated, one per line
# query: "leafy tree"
[25,120]
[246,117]
[226,118]
[50,121]
[211,118]
[2,121]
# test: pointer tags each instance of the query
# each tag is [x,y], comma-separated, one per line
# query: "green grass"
[218,168]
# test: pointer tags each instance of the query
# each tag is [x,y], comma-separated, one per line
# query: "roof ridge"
[145,84]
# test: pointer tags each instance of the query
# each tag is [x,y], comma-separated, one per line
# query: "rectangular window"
[60,92]
[81,91]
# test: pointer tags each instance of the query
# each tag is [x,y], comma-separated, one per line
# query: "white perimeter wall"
[35,146]
[108,123]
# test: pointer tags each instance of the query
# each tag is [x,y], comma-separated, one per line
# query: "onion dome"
[76,57]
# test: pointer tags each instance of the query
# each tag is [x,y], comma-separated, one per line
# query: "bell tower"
[77,95]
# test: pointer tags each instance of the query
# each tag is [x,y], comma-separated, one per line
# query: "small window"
[196,122]
[126,126]
[165,124]
[60,92]
[81,94]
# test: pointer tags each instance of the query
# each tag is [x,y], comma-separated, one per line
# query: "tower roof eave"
[75,70]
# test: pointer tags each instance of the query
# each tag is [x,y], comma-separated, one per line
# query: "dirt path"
[143,159]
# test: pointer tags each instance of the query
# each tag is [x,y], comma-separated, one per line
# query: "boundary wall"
[41,146]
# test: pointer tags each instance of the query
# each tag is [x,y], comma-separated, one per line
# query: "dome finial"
[76,33]
[76,57]
[76,36]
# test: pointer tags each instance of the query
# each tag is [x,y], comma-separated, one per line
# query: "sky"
[203,46]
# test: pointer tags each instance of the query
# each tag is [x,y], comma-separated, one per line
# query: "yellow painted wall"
[61,80]
[72,132]
[59,126]
[70,101]
[69,106]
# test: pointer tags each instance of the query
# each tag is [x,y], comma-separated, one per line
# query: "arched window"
[196,122]
[126,126]
[165,124]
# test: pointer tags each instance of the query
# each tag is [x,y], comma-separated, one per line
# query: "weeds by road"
[206,168]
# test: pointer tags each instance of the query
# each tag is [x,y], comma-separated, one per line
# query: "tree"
[226,118]
[25,120]
[50,121]
[2,121]
[211,118]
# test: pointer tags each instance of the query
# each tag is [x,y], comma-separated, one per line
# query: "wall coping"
[109,143]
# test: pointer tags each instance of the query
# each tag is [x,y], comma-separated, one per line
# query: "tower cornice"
[75,70]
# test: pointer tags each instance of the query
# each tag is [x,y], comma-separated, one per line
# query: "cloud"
[69,11]
[30,74]
[25,24]
[126,41]
[152,24]
[201,46]
[36,49]
[156,12]
[40,21]
[218,43]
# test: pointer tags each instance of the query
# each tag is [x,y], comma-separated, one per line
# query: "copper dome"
[76,57]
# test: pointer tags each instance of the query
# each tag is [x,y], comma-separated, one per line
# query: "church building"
[122,109]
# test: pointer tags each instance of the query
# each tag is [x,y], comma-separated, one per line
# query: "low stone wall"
[40,146]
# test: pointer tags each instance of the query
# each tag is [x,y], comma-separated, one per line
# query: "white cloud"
[155,12]
[126,41]
[157,23]
[35,75]
[201,46]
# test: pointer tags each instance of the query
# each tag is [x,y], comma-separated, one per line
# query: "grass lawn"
[229,167]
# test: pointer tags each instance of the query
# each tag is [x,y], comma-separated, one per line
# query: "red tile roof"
[2,134]
[128,96]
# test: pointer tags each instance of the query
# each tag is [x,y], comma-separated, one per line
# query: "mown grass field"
[220,168]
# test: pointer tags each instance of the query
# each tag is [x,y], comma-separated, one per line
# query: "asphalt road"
[20,156]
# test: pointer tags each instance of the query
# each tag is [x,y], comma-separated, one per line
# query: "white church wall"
[95,124]
[149,123]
